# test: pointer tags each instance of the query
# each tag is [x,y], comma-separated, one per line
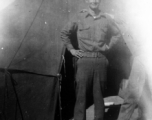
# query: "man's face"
[94,4]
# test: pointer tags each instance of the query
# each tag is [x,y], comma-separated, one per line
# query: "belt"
[92,54]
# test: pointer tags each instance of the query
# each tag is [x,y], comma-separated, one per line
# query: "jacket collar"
[89,13]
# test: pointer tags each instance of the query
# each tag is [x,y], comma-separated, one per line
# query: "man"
[133,92]
[96,33]
[137,91]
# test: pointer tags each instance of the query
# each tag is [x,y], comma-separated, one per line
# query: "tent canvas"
[31,56]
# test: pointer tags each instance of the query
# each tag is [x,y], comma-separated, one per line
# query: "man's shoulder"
[83,12]
[80,14]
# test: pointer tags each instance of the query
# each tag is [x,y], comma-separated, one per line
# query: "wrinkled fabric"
[136,93]
[94,34]
[91,74]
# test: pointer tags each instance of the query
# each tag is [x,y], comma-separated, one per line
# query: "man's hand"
[76,53]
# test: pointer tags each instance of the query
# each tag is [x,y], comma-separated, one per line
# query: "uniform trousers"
[90,74]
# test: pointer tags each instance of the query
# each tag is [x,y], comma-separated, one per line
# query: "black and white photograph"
[75,60]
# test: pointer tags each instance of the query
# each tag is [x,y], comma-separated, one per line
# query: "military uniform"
[95,35]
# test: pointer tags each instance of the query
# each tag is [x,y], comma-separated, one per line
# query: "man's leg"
[126,111]
[134,90]
[83,78]
[100,71]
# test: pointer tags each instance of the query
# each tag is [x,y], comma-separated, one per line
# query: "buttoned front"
[92,32]
[96,33]
[92,29]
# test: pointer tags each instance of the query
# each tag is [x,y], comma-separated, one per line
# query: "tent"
[31,57]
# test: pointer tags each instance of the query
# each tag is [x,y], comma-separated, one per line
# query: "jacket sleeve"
[115,33]
[67,31]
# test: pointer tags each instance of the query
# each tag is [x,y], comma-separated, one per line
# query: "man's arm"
[66,33]
[65,36]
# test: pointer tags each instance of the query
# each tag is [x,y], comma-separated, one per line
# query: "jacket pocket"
[84,32]
[84,28]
